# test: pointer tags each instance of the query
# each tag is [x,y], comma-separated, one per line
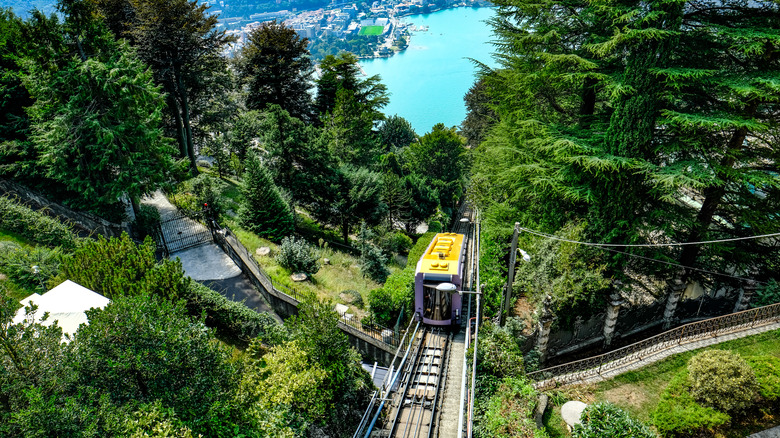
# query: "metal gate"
[178,232]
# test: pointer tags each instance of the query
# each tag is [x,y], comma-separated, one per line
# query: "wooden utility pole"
[510,277]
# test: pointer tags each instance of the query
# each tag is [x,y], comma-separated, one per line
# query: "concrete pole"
[613,310]
[510,277]
[545,323]
[677,287]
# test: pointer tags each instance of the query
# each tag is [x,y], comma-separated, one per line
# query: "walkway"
[209,265]
[609,370]
[769,433]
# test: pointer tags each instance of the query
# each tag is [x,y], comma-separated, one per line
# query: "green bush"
[234,322]
[434,227]
[509,411]
[372,263]
[722,380]
[208,190]
[34,225]
[418,249]
[147,220]
[395,242]
[766,295]
[678,414]
[120,267]
[17,263]
[605,420]
[499,352]
[263,210]
[297,256]
[767,370]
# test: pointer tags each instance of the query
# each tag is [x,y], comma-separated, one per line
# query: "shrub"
[722,380]
[382,310]
[120,267]
[605,420]
[677,413]
[17,263]
[509,412]
[418,249]
[372,263]
[146,221]
[208,190]
[767,370]
[355,298]
[234,322]
[768,294]
[499,352]
[434,227]
[34,225]
[297,255]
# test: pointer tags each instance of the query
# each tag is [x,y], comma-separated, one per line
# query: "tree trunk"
[187,126]
[713,196]
[174,104]
[588,105]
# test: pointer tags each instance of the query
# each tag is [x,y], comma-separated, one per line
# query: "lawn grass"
[639,391]
[371,30]
[341,274]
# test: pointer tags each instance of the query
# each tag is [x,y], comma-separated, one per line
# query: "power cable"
[644,245]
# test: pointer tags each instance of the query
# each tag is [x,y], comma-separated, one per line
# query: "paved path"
[608,372]
[209,265]
[769,433]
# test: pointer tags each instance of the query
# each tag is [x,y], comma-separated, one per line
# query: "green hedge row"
[35,226]
[234,322]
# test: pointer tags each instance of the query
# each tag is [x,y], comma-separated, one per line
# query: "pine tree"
[263,210]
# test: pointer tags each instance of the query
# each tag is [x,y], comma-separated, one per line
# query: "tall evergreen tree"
[649,119]
[277,67]
[263,210]
[179,41]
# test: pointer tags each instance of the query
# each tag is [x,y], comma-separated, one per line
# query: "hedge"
[35,226]
[677,413]
[235,323]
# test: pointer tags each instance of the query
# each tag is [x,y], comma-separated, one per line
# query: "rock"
[341,309]
[539,411]
[571,412]
[387,336]
[348,316]
[299,277]
[325,261]
[3,277]
[263,251]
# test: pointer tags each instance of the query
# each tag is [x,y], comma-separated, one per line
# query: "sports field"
[371,30]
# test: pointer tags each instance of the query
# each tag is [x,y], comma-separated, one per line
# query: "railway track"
[416,403]
[426,388]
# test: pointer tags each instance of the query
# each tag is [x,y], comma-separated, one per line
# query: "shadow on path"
[239,288]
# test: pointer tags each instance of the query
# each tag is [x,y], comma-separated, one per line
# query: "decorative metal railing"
[578,371]
[228,241]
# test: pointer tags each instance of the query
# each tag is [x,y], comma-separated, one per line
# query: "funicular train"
[438,279]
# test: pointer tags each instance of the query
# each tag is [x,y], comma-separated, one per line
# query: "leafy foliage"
[509,412]
[722,380]
[678,414]
[297,255]
[98,126]
[766,295]
[263,210]
[396,133]
[34,225]
[277,67]
[767,370]
[118,267]
[233,322]
[605,420]
[17,263]
[372,260]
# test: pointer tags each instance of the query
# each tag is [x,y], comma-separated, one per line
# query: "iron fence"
[574,372]
[228,241]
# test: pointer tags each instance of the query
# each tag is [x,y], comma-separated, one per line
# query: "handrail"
[578,370]
[226,236]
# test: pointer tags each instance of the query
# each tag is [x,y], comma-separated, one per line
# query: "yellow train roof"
[442,255]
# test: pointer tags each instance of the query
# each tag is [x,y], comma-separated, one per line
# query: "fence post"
[545,322]
[676,287]
[613,310]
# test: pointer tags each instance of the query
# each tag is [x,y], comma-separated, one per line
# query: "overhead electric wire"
[682,266]
[644,245]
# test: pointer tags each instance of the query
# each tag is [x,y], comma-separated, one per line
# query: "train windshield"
[436,303]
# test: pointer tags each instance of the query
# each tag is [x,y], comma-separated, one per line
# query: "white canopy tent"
[65,304]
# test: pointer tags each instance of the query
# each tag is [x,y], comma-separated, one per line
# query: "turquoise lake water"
[428,80]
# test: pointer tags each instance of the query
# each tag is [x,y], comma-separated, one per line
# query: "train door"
[436,304]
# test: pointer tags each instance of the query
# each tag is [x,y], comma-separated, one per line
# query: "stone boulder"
[263,251]
[299,277]
[571,412]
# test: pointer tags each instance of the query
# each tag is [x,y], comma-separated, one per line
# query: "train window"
[436,304]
